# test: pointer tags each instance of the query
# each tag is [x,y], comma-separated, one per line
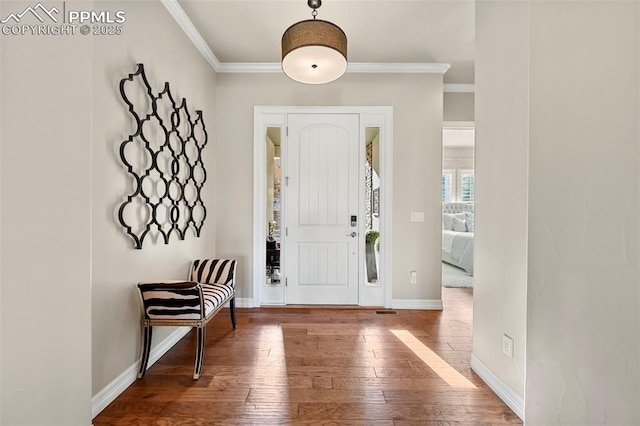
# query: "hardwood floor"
[320,366]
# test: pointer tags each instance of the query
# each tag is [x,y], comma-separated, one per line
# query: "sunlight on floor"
[437,364]
[273,365]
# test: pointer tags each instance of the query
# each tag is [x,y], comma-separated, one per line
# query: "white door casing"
[322,186]
[262,292]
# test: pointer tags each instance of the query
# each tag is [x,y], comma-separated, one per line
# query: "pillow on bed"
[469,219]
[447,219]
[459,225]
[447,222]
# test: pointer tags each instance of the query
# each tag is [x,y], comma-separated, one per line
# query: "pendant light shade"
[314,51]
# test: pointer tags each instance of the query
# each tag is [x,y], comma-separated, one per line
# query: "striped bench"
[193,303]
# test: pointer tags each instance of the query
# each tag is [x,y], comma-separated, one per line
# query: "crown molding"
[176,11]
[250,67]
[459,125]
[460,88]
[400,68]
[179,15]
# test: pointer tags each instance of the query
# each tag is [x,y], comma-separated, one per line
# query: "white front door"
[322,223]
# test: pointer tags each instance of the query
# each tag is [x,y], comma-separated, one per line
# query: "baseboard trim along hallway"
[110,392]
[504,392]
[435,305]
[106,396]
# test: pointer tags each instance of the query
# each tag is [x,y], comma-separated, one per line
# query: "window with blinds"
[467,185]
[458,185]
[447,186]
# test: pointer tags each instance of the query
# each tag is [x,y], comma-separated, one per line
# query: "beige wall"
[457,158]
[501,181]
[417,102]
[152,38]
[1,225]
[459,106]
[557,249]
[45,134]
[69,272]
[583,329]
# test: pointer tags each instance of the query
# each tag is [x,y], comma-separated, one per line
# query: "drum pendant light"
[314,51]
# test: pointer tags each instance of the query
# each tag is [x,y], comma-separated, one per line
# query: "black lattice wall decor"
[163,155]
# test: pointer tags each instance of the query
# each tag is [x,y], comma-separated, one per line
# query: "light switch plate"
[417,216]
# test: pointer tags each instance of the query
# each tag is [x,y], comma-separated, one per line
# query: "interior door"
[322,223]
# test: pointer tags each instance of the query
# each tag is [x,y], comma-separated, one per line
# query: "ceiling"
[378,31]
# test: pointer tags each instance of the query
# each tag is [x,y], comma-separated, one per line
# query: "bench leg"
[146,349]
[232,309]
[199,352]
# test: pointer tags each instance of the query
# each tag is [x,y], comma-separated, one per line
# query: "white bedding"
[458,247]
[447,240]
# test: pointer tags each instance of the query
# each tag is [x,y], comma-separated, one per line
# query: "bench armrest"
[172,300]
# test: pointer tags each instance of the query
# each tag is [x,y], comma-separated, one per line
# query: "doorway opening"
[458,202]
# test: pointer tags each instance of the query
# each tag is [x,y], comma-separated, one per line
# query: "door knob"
[352,235]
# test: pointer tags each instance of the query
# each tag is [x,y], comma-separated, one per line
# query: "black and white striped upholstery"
[210,285]
[172,300]
[217,279]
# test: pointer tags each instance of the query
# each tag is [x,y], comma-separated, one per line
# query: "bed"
[457,235]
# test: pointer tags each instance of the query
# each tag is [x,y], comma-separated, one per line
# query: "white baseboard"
[434,305]
[244,302]
[106,396]
[504,392]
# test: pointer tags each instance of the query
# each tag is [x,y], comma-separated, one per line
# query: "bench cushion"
[214,296]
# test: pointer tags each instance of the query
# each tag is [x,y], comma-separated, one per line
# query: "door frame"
[276,116]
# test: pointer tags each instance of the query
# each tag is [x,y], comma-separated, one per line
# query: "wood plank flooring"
[320,366]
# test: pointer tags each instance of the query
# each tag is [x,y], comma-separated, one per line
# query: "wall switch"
[507,345]
[417,217]
[413,277]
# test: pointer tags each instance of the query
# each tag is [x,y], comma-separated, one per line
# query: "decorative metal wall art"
[163,155]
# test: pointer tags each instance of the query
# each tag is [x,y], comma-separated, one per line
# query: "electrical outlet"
[413,277]
[507,345]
